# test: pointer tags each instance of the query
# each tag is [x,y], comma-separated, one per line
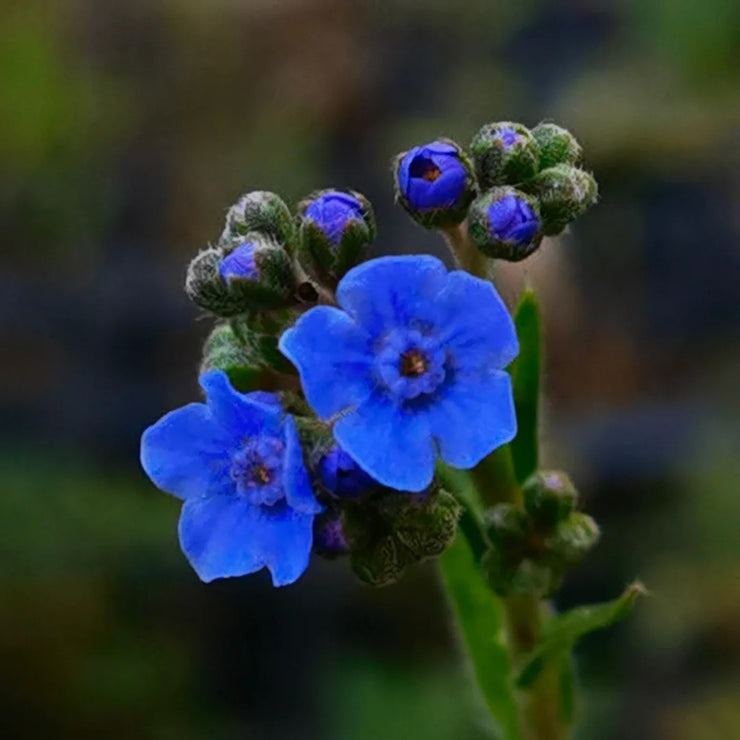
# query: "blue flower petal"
[393,446]
[333,358]
[296,482]
[441,147]
[186,453]
[237,412]
[389,291]
[240,263]
[403,169]
[446,190]
[225,536]
[476,326]
[472,418]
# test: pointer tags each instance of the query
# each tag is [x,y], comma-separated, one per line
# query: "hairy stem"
[468,256]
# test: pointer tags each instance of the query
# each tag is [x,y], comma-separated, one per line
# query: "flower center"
[261,475]
[256,470]
[413,363]
[410,364]
[424,168]
[431,173]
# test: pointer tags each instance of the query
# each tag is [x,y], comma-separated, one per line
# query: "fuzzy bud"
[564,192]
[504,154]
[434,184]
[254,275]
[505,223]
[573,538]
[336,229]
[262,212]
[549,496]
[556,145]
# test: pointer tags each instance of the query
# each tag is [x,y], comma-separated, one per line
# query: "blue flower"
[432,176]
[341,475]
[412,361]
[240,263]
[332,211]
[512,219]
[237,463]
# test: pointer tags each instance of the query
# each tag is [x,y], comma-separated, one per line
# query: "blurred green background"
[127,128]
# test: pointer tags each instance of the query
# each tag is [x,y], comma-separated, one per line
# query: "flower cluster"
[514,187]
[336,385]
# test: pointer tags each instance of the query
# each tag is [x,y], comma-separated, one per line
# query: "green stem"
[468,256]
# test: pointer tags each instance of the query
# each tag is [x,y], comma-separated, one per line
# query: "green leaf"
[525,373]
[479,614]
[561,632]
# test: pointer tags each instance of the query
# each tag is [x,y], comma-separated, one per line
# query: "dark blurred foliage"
[127,128]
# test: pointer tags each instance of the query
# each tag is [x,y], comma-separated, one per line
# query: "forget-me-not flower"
[411,363]
[237,463]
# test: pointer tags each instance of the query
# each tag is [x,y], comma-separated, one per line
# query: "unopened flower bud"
[549,496]
[256,274]
[564,192]
[504,154]
[556,145]
[381,563]
[427,526]
[573,538]
[505,223]
[342,476]
[329,539]
[435,184]
[262,212]
[507,526]
[336,229]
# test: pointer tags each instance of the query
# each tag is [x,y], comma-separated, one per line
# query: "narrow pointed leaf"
[479,614]
[525,373]
[561,632]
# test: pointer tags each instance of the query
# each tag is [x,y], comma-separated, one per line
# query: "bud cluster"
[514,187]
[533,546]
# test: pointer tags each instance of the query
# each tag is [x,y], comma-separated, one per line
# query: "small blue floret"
[240,263]
[332,212]
[512,219]
[237,463]
[411,365]
[432,176]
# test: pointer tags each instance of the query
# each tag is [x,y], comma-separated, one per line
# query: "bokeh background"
[127,128]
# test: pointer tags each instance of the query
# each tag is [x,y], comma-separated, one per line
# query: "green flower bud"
[564,193]
[381,563]
[507,526]
[252,276]
[504,154]
[505,223]
[336,230]
[262,212]
[556,145]
[549,496]
[573,538]
[428,528]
